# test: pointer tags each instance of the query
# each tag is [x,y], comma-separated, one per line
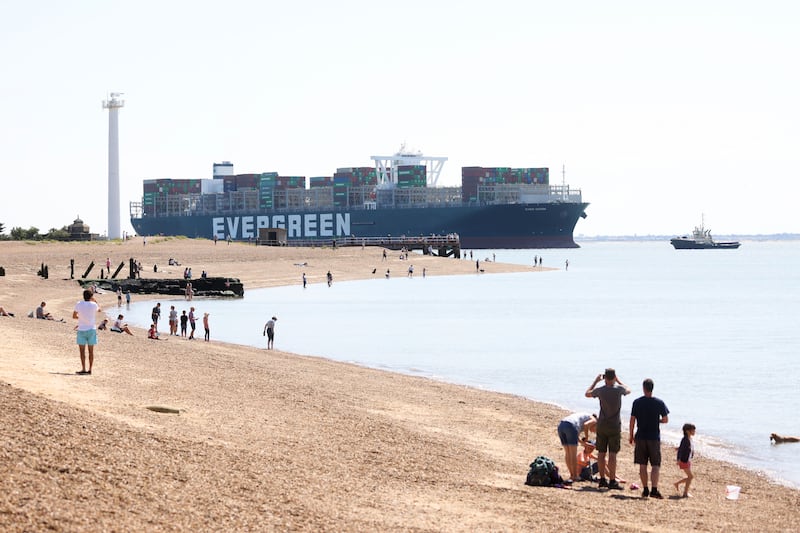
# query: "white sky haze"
[661,112]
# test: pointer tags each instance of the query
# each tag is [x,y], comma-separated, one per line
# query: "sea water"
[717,330]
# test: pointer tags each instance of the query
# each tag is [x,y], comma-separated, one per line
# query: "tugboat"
[701,240]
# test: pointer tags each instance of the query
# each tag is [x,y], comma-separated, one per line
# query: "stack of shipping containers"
[166,194]
[266,189]
[410,176]
[289,191]
[474,177]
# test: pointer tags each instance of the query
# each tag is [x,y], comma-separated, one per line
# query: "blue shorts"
[88,336]
[568,434]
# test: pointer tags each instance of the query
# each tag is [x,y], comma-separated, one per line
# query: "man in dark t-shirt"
[648,413]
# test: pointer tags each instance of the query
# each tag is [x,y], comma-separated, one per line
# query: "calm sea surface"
[717,330]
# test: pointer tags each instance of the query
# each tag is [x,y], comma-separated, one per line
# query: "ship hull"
[544,225]
[688,244]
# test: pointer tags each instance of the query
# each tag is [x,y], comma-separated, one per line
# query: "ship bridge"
[387,166]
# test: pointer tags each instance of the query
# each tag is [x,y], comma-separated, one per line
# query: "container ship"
[495,207]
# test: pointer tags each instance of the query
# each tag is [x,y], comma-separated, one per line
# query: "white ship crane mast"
[387,166]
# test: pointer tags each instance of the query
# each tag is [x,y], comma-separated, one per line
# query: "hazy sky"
[660,111]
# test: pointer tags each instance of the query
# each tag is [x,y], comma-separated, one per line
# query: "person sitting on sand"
[779,439]
[3,312]
[103,325]
[587,460]
[42,314]
[120,327]
[152,333]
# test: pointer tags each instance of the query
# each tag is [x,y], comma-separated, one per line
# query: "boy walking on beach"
[648,412]
[86,312]
[609,425]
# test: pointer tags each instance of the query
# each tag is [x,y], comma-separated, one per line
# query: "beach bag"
[543,473]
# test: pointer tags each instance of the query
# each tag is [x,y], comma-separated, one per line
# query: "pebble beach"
[248,439]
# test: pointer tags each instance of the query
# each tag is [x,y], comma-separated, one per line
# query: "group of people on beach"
[185,320]
[647,415]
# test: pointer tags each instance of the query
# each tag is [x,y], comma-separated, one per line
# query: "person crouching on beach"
[569,430]
[86,314]
[685,454]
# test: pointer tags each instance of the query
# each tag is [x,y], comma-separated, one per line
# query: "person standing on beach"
[305,281]
[119,296]
[206,327]
[128,297]
[609,425]
[685,454]
[330,278]
[192,322]
[184,321]
[648,413]
[156,314]
[86,312]
[173,320]
[269,331]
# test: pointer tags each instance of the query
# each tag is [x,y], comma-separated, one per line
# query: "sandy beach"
[273,441]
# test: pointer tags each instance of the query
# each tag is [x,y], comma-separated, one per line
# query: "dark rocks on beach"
[209,287]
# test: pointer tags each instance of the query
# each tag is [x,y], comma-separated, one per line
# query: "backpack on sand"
[543,473]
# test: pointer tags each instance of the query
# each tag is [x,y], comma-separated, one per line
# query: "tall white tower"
[113,104]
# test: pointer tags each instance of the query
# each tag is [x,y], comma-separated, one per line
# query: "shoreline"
[282,441]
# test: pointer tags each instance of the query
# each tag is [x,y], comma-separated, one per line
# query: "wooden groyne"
[208,287]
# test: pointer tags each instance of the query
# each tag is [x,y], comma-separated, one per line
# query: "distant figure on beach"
[85,313]
[477,264]
[423,271]
[156,314]
[3,312]
[42,314]
[305,281]
[144,241]
[569,430]
[128,297]
[384,255]
[184,323]
[647,415]
[192,323]
[215,239]
[119,296]
[103,325]
[387,273]
[206,327]
[609,425]
[108,265]
[173,320]
[410,271]
[566,264]
[685,454]
[330,278]
[535,260]
[269,331]
[121,327]
[780,439]
[189,291]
